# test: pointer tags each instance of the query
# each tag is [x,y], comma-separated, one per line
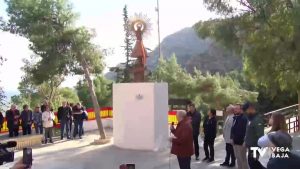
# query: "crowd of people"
[242,129]
[43,120]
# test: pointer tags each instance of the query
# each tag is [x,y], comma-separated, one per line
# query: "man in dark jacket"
[1,121]
[196,120]
[64,114]
[255,130]
[283,140]
[13,121]
[182,142]
[210,132]
[77,112]
[238,132]
[27,119]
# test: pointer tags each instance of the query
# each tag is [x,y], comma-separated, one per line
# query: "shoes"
[51,141]
[80,137]
[231,165]
[211,160]
[69,138]
[204,159]
[61,138]
[224,164]
[197,158]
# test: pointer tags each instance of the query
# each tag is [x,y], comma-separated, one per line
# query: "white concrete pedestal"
[140,115]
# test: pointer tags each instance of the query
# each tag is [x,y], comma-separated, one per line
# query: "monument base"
[140,116]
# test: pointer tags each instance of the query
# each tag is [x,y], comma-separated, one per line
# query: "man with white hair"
[182,142]
[226,135]
[13,121]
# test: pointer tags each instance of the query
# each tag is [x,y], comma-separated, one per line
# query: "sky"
[105,16]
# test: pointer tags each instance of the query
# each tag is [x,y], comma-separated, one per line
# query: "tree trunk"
[94,99]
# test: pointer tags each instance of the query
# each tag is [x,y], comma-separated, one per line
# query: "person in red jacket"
[182,141]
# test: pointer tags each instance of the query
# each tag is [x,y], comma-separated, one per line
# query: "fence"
[291,116]
[106,112]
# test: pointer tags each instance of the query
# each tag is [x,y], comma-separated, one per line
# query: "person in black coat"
[78,120]
[13,121]
[27,120]
[1,121]
[210,132]
[64,115]
[238,132]
[196,120]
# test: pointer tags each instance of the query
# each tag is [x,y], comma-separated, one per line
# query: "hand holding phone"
[27,157]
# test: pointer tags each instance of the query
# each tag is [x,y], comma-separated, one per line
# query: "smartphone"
[127,166]
[131,166]
[27,156]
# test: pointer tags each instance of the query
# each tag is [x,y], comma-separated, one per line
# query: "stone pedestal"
[140,116]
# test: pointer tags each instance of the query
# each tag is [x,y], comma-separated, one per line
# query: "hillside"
[191,51]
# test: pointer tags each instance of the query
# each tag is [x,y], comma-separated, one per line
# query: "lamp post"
[158,29]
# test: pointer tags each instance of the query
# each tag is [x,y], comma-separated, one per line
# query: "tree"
[128,43]
[63,49]
[31,84]
[2,94]
[266,34]
[122,70]
[102,89]
[204,89]
[179,81]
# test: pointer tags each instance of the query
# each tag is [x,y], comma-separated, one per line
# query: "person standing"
[279,137]
[78,120]
[64,114]
[226,135]
[26,120]
[237,135]
[85,116]
[71,105]
[182,142]
[13,121]
[37,120]
[1,121]
[48,117]
[255,129]
[210,132]
[44,105]
[196,120]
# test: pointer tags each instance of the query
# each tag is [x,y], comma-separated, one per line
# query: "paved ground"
[80,154]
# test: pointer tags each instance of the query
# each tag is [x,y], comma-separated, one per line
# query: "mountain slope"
[191,52]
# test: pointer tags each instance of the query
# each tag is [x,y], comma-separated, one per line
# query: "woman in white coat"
[48,117]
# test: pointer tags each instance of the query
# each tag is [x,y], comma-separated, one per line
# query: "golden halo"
[140,21]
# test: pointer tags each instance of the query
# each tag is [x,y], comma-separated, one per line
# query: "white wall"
[140,115]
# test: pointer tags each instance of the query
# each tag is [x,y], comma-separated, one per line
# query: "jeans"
[48,134]
[78,123]
[14,131]
[184,162]
[38,129]
[63,124]
[26,129]
[196,145]
[229,154]
[209,143]
[253,162]
[240,154]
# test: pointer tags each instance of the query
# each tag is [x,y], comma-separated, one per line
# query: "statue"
[139,26]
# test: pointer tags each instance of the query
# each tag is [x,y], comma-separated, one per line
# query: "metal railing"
[291,114]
